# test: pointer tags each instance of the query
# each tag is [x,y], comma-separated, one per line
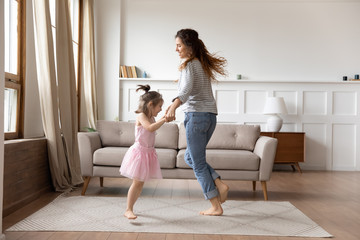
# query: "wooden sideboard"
[290,149]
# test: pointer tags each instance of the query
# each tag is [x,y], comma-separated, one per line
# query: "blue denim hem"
[211,194]
[215,175]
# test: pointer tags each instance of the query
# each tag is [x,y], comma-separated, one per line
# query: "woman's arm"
[187,83]
[170,112]
[151,127]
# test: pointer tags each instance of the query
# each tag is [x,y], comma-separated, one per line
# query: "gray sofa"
[235,151]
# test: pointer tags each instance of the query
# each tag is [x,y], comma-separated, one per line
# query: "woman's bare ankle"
[223,189]
[215,210]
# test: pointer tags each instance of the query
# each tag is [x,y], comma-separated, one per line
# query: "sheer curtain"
[88,76]
[57,92]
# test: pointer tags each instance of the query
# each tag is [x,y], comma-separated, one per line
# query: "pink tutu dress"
[140,161]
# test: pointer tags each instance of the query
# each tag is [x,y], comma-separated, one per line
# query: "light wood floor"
[331,199]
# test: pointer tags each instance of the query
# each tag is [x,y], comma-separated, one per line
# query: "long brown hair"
[211,63]
[148,96]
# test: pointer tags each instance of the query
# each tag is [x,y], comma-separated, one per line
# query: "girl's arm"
[151,127]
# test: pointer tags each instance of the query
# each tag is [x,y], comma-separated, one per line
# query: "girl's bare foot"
[215,210]
[223,189]
[130,214]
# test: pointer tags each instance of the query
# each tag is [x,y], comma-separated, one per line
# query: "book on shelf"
[128,71]
[123,72]
[133,71]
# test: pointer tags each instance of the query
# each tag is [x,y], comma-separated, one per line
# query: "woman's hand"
[170,111]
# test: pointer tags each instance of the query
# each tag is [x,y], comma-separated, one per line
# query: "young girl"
[140,162]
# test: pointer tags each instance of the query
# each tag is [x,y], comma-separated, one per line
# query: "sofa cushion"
[109,156]
[122,134]
[225,159]
[116,133]
[113,156]
[166,157]
[228,136]
[167,136]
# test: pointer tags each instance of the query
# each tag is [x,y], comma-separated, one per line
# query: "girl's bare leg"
[215,210]
[133,194]
[222,188]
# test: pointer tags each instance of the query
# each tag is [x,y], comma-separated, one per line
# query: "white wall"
[2,84]
[264,40]
[107,42]
[287,40]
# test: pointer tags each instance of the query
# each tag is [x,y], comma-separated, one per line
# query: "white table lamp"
[273,107]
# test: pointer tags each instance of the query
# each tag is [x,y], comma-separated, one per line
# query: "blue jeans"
[199,128]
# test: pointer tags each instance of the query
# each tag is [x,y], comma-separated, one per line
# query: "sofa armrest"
[89,142]
[265,148]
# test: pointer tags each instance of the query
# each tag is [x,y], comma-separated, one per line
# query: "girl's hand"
[163,118]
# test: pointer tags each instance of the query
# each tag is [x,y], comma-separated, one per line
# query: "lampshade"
[275,105]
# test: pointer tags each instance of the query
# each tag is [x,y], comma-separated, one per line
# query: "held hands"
[170,114]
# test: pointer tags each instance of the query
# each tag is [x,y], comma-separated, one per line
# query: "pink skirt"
[140,163]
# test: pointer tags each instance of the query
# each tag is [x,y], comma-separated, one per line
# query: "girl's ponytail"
[148,96]
[146,88]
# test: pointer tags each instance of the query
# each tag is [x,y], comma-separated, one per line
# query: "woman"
[198,69]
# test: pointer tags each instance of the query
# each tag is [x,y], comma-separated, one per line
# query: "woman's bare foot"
[130,214]
[212,212]
[215,210]
[223,189]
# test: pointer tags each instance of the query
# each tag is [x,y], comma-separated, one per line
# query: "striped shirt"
[194,89]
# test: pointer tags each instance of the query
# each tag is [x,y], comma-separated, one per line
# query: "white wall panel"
[288,127]
[227,101]
[255,101]
[344,103]
[315,145]
[133,99]
[315,103]
[262,125]
[344,146]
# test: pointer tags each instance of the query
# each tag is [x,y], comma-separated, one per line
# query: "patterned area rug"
[86,213]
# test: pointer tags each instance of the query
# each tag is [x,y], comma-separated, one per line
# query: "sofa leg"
[254,185]
[264,188]
[86,183]
[101,181]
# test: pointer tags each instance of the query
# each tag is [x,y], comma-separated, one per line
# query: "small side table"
[290,149]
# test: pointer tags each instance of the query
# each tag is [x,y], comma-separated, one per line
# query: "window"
[14,67]
[15,60]
[75,16]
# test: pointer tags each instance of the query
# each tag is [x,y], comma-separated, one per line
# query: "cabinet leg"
[101,181]
[298,167]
